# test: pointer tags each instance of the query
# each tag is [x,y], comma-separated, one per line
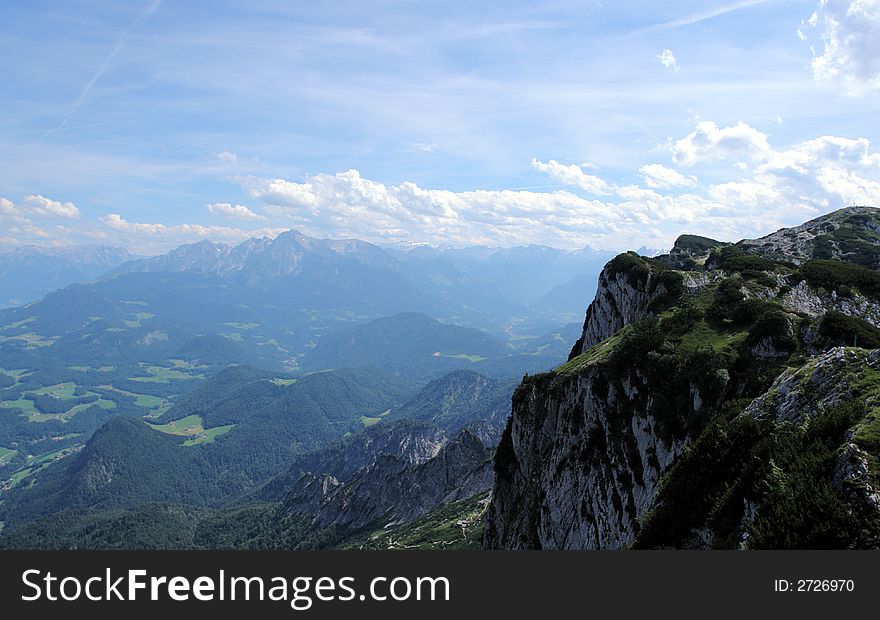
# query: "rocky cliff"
[700,381]
[392,489]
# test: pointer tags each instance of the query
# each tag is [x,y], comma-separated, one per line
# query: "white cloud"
[36,205]
[116,222]
[227,157]
[40,206]
[668,60]
[851,52]
[240,212]
[782,187]
[6,207]
[710,143]
[429,147]
[346,204]
[658,176]
[573,175]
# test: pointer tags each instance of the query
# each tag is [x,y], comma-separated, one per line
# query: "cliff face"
[579,463]
[392,489]
[675,420]
[625,293]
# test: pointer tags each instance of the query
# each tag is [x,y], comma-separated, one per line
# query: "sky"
[152,123]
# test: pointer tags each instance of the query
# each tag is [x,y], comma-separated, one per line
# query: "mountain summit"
[715,399]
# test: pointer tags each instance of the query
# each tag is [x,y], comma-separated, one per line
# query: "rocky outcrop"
[392,490]
[629,287]
[579,463]
[411,442]
[704,379]
[842,235]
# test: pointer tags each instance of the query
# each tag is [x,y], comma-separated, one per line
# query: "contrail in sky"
[710,14]
[120,42]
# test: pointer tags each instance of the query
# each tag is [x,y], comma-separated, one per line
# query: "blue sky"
[614,124]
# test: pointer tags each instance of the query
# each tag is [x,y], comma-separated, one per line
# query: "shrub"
[833,275]
[844,330]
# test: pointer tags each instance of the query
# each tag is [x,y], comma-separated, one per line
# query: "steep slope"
[392,490]
[612,448]
[460,399]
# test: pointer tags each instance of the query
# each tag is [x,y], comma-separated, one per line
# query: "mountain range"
[722,395]
[30,272]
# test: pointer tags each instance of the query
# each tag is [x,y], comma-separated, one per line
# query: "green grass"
[64,417]
[702,335]
[283,382]
[37,465]
[178,363]
[465,356]
[193,428]
[157,404]
[15,372]
[62,391]
[368,421]
[33,340]
[867,431]
[208,435]
[594,355]
[139,318]
[6,455]
[161,374]
[25,404]
[189,425]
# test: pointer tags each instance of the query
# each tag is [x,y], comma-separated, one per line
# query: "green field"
[465,356]
[6,455]
[139,318]
[18,373]
[192,427]
[64,391]
[184,426]
[25,404]
[156,404]
[18,324]
[37,465]
[368,421]
[64,417]
[162,374]
[283,382]
[208,436]
[61,391]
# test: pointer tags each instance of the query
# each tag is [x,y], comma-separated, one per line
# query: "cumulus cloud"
[850,53]
[668,60]
[346,204]
[571,174]
[118,223]
[709,143]
[781,187]
[39,206]
[240,212]
[658,176]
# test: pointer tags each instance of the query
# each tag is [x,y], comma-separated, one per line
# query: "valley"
[303,393]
